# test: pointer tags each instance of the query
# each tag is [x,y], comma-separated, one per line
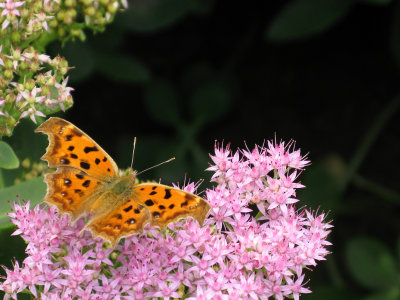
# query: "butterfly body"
[87,182]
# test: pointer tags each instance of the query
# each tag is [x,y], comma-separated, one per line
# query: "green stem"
[369,138]
[377,189]
[333,271]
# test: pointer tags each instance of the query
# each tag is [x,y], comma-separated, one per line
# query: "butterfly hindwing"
[167,204]
[70,190]
[127,218]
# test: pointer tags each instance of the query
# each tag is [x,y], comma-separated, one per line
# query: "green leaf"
[33,190]
[390,294]
[146,16]
[304,18]
[8,159]
[26,144]
[81,57]
[161,102]
[211,101]
[11,247]
[325,179]
[371,264]
[122,68]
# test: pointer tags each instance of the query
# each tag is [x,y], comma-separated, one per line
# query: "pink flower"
[233,256]
[10,10]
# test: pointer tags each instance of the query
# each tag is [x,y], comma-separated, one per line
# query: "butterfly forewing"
[69,146]
[167,204]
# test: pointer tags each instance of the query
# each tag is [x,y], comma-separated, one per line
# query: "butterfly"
[87,182]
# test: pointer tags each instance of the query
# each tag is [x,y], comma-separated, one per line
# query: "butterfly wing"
[71,147]
[71,191]
[167,204]
[125,218]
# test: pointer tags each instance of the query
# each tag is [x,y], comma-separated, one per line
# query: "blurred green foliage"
[180,74]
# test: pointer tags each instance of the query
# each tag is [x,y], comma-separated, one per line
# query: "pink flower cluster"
[235,255]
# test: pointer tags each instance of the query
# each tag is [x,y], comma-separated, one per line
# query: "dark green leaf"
[11,247]
[211,101]
[390,294]
[27,145]
[303,18]
[8,159]
[122,68]
[33,190]
[161,103]
[323,178]
[81,57]
[146,15]
[371,264]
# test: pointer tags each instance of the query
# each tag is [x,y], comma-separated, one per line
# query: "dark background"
[180,74]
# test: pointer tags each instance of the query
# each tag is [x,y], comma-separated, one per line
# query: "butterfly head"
[129,173]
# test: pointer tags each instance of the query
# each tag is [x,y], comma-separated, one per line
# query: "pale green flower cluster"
[33,84]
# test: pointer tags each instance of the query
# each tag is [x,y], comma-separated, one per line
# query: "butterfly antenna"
[164,162]
[133,151]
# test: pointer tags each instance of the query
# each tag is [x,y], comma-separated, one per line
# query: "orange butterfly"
[87,181]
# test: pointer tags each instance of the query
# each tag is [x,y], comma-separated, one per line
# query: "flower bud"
[45,91]
[90,11]
[53,23]
[8,74]
[23,65]
[8,63]
[112,7]
[70,3]
[26,163]
[30,84]
[15,36]
[61,15]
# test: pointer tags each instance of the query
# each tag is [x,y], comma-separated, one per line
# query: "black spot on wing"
[97,161]
[127,209]
[64,161]
[149,202]
[156,215]
[153,193]
[70,148]
[68,137]
[86,183]
[85,165]
[73,155]
[90,149]
[167,194]
[80,176]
